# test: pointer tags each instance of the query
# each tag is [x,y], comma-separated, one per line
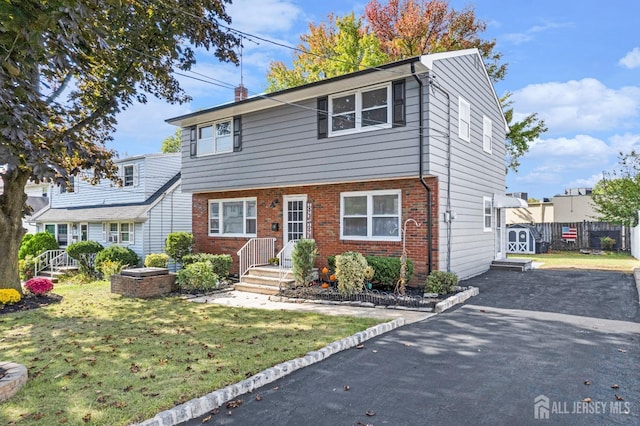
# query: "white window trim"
[464,111]
[220,202]
[487,134]
[106,230]
[369,195]
[215,143]
[56,233]
[486,200]
[358,111]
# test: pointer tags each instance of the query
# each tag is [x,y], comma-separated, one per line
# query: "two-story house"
[139,214]
[349,160]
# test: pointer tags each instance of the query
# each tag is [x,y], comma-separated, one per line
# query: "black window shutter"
[193,141]
[237,134]
[323,118]
[399,107]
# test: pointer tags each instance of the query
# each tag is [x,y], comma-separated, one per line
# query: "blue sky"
[575,63]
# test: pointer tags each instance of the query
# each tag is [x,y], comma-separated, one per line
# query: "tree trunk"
[12,203]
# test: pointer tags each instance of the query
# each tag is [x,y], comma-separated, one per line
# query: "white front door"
[294,220]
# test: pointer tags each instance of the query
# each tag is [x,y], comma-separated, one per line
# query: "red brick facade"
[325,200]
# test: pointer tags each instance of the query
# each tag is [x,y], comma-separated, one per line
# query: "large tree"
[401,29]
[616,198]
[172,143]
[67,68]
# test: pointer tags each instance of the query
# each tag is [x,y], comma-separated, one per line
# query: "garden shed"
[525,238]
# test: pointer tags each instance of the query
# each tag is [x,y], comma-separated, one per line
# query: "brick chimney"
[241,93]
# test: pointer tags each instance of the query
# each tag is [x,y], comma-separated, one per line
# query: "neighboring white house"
[140,214]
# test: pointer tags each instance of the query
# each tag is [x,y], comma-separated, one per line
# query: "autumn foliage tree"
[67,68]
[617,197]
[397,30]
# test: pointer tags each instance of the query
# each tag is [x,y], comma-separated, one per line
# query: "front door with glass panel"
[294,221]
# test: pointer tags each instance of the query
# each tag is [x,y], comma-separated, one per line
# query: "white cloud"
[581,151]
[528,35]
[263,15]
[631,59]
[578,105]
[625,143]
[588,182]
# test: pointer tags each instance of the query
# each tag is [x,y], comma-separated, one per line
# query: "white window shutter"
[136,175]
[104,231]
[131,233]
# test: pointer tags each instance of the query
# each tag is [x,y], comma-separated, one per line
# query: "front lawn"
[102,359]
[608,261]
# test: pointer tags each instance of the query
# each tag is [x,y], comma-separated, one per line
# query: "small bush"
[124,255]
[111,267]
[39,286]
[156,260]
[26,267]
[441,282]
[178,244]
[197,277]
[84,252]
[303,257]
[37,243]
[350,272]
[9,296]
[387,271]
[220,263]
[607,243]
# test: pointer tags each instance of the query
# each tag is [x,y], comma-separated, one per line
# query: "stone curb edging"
[636,276]
[354,304]
[15,376]
[200,406]
[454,300]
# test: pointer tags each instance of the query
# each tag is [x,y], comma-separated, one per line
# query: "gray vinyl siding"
[95,234]
[153,171]
[280,147]
[172,214]
[474,172]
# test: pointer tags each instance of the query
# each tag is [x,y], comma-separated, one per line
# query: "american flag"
[569,233]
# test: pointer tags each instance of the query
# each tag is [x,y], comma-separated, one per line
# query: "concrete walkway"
[261,301]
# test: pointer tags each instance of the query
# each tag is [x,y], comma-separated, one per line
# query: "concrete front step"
[519,265]
[256,288]
[268,271]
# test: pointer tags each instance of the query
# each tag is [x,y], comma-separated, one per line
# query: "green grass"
[609,261]
[101,359]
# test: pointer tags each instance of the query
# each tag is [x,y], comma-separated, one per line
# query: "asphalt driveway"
[558,344]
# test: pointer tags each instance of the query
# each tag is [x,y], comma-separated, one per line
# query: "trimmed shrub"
[84,252]
[387,271]
[303,257]
[39,286]
[197,277]
[178,244]
[220,263]
[441,282]
[34,244]
[124,255]
[111,267]
[607,243]
[9,296]
[26,267]
[156,260]
[350,272]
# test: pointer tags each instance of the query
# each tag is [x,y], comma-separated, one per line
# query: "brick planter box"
[143,282]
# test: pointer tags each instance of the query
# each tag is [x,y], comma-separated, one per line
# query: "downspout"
[421,163]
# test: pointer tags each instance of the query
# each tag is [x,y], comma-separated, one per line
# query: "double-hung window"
[486,134]
[215,138]
[487,213]
[464,120]
[373,215]
[360,110]
[127,179]
[118,232]
[233,217]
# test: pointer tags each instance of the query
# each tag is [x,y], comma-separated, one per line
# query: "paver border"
[200,406]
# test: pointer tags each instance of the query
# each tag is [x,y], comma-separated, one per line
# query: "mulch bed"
[29,301]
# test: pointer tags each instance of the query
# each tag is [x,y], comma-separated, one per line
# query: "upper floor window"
[129,175]
[373,215]
[233,217]
[360,110]
[464,120]
[215,138]
[486,134]
[70,186]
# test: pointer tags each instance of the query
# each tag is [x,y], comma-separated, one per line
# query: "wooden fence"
[589,234]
